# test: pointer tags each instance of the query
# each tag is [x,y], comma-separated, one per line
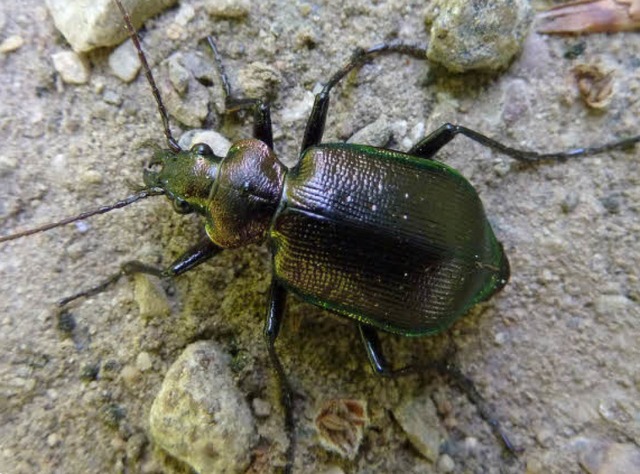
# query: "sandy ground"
[557,353]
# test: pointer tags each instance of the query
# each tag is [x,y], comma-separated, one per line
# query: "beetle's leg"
[380,365]
[378,361]
[262,129]
[199,253]
[315,125]
[275,315]
[469,388]
[428,146]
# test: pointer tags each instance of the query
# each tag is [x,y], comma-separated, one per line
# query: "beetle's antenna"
[145,193]
[173,144]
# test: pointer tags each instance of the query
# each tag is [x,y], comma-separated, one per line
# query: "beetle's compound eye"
[181,206]
[202,149]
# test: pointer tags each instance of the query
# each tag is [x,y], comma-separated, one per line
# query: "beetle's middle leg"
[317,120]
[445,367]
[194,256]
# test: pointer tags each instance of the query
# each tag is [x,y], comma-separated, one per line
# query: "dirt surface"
[557,352]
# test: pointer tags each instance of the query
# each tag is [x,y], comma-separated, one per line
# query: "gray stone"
[227,8]
[92,24]
[377,133]
[12,43]
[604,305]
[184,97]
[421,430]
[150,296]
[124,61]
[200,416]
[604,457]
[73,69]
[477,35]
[259,80]
[446,464]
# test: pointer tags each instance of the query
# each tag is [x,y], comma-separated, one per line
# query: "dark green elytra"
[397,242]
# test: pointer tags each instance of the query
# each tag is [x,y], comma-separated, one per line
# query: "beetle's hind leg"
[378,361]
[445,367]
[428,146]
[194,256]
[262,128]
[275,314]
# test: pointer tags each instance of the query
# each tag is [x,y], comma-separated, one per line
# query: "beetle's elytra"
[393,241]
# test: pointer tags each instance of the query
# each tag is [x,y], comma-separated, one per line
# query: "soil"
[556,353]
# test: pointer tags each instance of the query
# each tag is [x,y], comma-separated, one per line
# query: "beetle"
[423,257]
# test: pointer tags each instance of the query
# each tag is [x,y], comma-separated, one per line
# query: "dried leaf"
[591,16]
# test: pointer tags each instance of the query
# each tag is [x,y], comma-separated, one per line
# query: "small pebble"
[261,408]
[259,79]
[227,8]
[604,457]
[111,97]
[605,305]
[143,361]
[124,62]
[130,375]
[422,431]
[446,464]
[377,133]
[477,35]
[11,44]
[72,68]
[178,75]
[91,177]
[544,437]
[53,440]
[7,165]
[150,297]
[218,143]
[500,338]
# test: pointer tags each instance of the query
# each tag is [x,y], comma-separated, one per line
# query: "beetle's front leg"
[194,256]
[275,314]
[262,128]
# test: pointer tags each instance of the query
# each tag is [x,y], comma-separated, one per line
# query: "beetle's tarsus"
[469,388]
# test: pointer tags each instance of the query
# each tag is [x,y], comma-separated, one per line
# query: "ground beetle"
[397,242]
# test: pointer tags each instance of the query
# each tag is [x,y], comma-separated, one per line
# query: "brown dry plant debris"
[591,16]
[340,424]
[595,85]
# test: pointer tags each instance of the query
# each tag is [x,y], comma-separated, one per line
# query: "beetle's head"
[185,176]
